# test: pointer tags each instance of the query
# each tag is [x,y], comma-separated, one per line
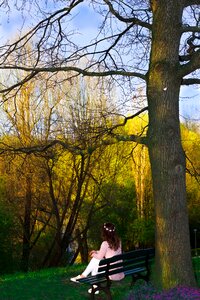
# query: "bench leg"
[105,289]
[94,289]
[109,296]
[135,277]
[92,295]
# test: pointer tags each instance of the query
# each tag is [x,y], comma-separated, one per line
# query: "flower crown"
[107,229]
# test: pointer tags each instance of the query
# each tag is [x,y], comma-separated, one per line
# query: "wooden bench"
[135,263]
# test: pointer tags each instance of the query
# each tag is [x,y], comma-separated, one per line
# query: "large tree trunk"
[173,253]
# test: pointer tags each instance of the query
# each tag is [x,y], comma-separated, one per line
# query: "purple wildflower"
[149,292]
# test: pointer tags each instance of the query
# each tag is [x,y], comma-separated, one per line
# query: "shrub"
[6,252]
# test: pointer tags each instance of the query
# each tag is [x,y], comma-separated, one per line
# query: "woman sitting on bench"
[110,246]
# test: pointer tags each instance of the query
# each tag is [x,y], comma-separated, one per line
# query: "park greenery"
[54,283]
[42,193]
[90,131]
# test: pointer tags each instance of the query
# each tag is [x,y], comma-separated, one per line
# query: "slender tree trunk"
[173,254]
[63,243]
[83,246]
[139,175]
[26,228]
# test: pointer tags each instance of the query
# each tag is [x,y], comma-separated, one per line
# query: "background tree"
[56,183]
[8,228]
[191,144]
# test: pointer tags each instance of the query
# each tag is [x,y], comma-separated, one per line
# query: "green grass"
[196,266]
[55,284]
[52,284]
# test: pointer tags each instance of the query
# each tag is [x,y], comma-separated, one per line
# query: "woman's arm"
[101,252]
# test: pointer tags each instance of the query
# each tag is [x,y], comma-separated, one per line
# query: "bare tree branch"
[21,83]
[34,71]
[8,49]
[191,2]
[187,28]
[109,139]
[193,172]
[192,65]
[129,118]
[128,138]
[190,81]
[133,20]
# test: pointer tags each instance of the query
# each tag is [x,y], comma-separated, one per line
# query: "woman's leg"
[92,267]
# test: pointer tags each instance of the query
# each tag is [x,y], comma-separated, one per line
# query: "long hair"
[109,234]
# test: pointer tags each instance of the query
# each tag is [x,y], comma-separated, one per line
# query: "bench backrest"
[126,262]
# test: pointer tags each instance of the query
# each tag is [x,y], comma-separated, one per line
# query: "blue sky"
[87,22]
[190,103]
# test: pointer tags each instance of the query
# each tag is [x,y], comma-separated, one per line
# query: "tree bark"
[173,253]
[83,246]
[27,227]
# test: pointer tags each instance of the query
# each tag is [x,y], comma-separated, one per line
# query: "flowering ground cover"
[149,292]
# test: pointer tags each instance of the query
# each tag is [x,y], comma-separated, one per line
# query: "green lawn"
[196,264]
[54,284]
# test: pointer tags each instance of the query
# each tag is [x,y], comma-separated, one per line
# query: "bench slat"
[118,264]
[129,255]
[101,277]
[121,265]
